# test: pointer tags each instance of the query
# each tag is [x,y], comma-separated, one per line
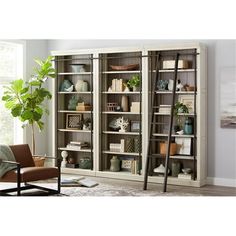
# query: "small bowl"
[190,88]
[187,170]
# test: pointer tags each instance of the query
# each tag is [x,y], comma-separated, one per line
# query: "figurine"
[179,86]
[123,124]
[73,103]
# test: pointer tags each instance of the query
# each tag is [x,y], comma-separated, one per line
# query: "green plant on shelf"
[179,108]
[134,82]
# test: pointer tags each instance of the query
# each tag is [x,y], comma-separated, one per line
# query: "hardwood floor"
[208,190]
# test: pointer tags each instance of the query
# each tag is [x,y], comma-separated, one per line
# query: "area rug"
[107,190]
[104,190]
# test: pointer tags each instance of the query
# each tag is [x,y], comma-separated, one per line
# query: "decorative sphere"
[64,154]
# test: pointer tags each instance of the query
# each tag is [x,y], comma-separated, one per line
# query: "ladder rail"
[151,119]
[171,124]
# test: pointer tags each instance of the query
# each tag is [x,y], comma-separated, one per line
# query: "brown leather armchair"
[26,171]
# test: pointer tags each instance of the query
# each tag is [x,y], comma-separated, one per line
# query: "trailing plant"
[25,99]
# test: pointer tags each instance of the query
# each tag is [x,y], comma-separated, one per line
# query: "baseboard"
[221,182]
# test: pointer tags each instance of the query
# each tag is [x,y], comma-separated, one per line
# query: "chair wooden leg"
[59,182]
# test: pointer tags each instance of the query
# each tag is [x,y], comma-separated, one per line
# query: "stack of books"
[77,145]
[134,167]
[77,182]
[118,147]
[165,109]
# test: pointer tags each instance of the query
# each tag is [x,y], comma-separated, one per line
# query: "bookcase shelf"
[102,134]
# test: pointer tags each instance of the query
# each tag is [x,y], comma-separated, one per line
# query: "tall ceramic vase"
[124,103]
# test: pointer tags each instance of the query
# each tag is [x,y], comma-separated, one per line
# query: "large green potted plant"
[179,108]
[26,99]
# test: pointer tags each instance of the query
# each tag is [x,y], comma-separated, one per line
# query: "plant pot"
[163,148]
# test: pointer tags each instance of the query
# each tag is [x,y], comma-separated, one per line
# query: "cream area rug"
[101,190]
[107,190]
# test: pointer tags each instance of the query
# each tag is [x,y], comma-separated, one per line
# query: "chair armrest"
[9,162]
[49,157]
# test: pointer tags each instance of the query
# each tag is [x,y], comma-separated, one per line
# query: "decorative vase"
[124,103]
[79,87]
[115,164]
[175,167]
[85,86]
[188,126]
[170,84]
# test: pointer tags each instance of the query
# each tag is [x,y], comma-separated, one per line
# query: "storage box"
[170,64]
[163,148]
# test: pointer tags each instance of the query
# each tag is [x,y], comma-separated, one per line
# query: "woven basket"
[163,148]
[39,161]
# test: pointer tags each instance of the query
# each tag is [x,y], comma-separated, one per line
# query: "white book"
[87,183]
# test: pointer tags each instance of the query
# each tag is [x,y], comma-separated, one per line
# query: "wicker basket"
[39,161]
[163,148]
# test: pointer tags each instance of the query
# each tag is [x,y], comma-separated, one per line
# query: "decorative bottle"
[115,164]
[188,126]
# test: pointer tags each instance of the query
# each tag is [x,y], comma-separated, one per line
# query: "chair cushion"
[23,155]
[31,174]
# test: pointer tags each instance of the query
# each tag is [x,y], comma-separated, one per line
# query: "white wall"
[221,142]
[36,49]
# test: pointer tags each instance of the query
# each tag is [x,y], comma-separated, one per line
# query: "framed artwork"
[187,100]
[183,146]
[135,126]
[228,97]
[73,121]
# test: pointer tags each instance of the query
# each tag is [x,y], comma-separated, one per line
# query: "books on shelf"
[165,109]
[115,147]
[131,165]
[77,145]
[78,181]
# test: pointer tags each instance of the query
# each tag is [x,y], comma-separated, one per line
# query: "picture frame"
[183,146]
[134,126]
[227,97]
[187,100]
[73,121]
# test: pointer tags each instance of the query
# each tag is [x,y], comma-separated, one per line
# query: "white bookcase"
[100,76]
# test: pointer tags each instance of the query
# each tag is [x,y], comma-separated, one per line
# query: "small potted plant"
[134,82]
[179,108]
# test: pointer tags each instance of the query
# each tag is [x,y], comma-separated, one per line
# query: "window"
[11,68]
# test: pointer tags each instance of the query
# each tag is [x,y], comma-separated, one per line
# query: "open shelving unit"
[111,135]
[64,135]
[99,74]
